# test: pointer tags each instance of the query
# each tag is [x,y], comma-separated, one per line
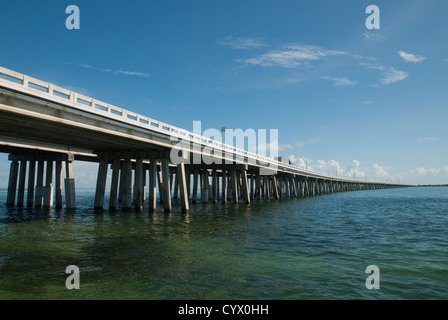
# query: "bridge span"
[45,128]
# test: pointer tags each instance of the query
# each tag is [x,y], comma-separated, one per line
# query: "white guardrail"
[28,85]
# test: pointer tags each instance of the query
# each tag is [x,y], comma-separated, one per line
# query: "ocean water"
[308,248]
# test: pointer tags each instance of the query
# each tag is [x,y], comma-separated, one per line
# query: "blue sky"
[345,99]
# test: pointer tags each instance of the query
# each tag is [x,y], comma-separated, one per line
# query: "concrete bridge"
[44,127]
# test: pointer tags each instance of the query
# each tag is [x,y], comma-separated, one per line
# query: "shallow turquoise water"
[311,248]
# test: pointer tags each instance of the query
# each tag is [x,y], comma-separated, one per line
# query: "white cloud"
[374,36]
[88,66]
[119,71]
[242,43]
[292,56]
[367,102]
[303,163]
[340,82]
[422,171]
[420,140]
[409,57]
[379,172]
[284,147]
[302,143]
[133,73]
[390,74]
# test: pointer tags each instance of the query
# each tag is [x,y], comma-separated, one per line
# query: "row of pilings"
[141,183]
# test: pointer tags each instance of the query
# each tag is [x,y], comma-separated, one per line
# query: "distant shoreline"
[432,185]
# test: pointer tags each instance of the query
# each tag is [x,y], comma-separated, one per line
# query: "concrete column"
[252,186]
[188,179]
[234,186]
[70,193]
[166,185]
[12,185]
[31,181]
[126,177]
[214,186]
[144,168]
[195,185]
[224,186]
[182,187]
[22,177]
[114,184]
[294,186]
[245,187]
[268,187]
[281,185]
[48,189]
[258,193]
[101,185]
[160,182]
[139,191]
[39,194]
[152,185]
[274,187]
[176,186]
[58,189]
[204,185]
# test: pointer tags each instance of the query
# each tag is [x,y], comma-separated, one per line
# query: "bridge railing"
[35,87]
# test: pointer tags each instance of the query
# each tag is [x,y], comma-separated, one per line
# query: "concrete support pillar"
[48,189]
[166,185]
[22,177]
[58,189]
[258,193]
[139,186]
[294,186]
[195,185]
[204,187]
[114,184]
[152,185]
[176,187]
[160,180]
[39,194]
[126,177]
[224,186]
[101,185]
[234,186]
[188,179]
[12,185]
[31,181]
[183,187]
[70,192]
[245,187]
[274,187]
[267,182]
[252,186]
[214,186]
[287,186]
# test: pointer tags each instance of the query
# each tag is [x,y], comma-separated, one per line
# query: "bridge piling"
[114,184]
[166,185]
[58,185]
[12,185]
[101,184]
[152,184]
[48,189]
[31,181]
